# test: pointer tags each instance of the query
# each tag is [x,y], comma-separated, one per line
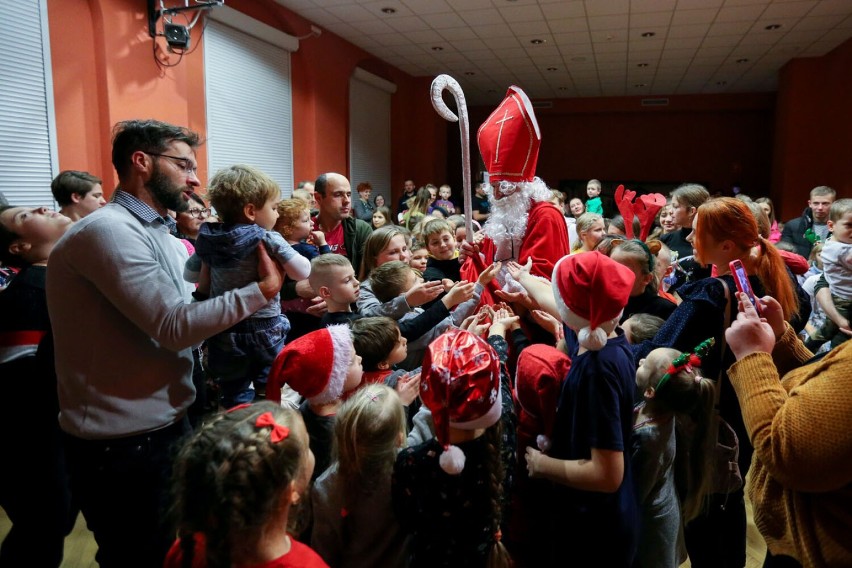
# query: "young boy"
[641,327]
[593,501]
[419,257]
[295,225]
[836,258]
[321,366]
[381,345]
[77,193]
[443,263]
[245,199]
[333,279]
[445,200]
[394,278]
[594,204]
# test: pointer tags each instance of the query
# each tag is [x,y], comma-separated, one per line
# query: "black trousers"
[122,486]
[717,537]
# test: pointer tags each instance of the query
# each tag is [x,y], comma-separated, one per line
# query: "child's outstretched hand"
[408,388]
[447,283]
[503,320]
[476,324]
[461,292]
[423,292]
[317,238]
[489,273]
[533,458]
[550,323]
[518,271]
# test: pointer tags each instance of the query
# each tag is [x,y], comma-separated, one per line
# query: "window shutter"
[28,157]
[249,114]
[370,132]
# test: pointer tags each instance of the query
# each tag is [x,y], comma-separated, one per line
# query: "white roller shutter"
[249,111]
[28,157]
[370,131]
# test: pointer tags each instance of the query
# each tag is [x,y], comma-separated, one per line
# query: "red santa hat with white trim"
[591,290]
[314,365]
[541,370]
[460,384]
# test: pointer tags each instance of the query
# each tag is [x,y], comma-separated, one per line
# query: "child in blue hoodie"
[225,258]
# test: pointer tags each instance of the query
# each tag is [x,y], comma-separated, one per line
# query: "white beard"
[507,224]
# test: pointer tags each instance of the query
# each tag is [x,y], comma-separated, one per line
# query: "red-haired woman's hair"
[728,219]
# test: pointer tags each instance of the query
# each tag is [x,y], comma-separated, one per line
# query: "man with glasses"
[117,277]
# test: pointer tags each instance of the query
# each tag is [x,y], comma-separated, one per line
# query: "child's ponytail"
[685,392]
[775,278]
[702,441]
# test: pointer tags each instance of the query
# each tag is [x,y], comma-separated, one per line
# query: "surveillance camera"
[177,36]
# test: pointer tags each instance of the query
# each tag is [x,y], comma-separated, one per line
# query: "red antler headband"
[646,209]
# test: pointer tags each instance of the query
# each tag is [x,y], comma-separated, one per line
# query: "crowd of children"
[418,425]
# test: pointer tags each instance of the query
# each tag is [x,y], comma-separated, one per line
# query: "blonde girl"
[590,230]
[234,485]
[677,400]
[418,207]
[384,245]
[354,524]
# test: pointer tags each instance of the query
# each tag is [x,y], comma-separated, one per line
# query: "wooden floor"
[80,545]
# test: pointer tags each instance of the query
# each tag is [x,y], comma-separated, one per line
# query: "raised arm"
[798,427]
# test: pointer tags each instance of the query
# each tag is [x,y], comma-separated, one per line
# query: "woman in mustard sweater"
[801,429]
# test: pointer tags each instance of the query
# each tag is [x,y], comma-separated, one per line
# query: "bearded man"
[116,279]
[523,223]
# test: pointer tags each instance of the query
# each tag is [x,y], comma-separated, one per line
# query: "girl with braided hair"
[449,492]
[677,401]
[234,485]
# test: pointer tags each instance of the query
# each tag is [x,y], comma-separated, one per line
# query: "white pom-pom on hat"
[592,339]
[590,290]
[452,460]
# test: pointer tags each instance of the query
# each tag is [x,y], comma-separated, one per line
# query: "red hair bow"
[278,433]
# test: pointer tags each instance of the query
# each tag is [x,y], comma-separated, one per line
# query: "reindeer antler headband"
[686,361]
[645,208]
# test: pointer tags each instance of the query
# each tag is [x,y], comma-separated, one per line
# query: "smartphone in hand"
[743,285]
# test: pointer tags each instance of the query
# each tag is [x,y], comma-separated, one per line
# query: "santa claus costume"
[523,223]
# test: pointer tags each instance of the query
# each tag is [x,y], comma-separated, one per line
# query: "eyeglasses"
[184,163]
[199,213]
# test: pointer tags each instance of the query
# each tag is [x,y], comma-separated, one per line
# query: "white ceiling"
[591,48]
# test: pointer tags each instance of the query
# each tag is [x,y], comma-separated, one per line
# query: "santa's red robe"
[546,241]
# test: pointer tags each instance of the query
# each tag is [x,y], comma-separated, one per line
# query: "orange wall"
[814,129]
[719,140]
[106,73]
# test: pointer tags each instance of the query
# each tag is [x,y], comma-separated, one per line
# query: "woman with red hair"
[724,229]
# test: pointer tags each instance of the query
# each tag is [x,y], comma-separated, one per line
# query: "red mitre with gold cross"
[509,139]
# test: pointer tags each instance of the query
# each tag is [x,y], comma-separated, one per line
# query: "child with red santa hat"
[592,499]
